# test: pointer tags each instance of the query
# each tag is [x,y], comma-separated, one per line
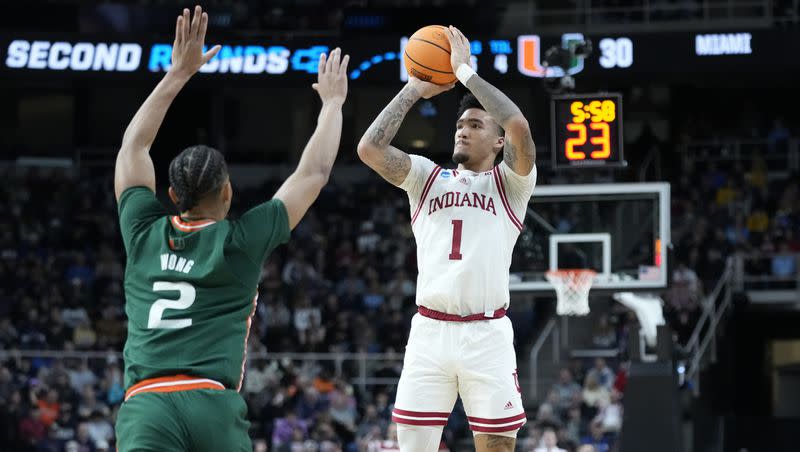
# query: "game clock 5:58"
[587,130]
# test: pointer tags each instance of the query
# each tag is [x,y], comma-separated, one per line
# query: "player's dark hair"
[196,172]
[470,101]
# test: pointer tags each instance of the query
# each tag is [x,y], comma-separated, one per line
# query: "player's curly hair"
[470,101]
[196,172]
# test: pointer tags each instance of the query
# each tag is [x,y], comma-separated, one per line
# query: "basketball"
[427,56]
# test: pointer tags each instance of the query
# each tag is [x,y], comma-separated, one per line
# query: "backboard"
[621,231]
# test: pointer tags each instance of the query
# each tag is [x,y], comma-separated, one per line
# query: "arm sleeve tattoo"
[385,126]
[396,164]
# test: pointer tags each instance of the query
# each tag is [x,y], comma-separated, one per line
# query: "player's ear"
[172,195]
[499,144]
[227,192]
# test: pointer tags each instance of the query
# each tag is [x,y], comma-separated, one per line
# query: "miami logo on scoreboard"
[529,60]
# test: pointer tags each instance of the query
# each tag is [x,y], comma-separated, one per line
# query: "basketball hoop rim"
[571,278]
[572,286]
[571,271]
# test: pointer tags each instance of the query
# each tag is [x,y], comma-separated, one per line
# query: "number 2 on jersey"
[455,250]
[185,299]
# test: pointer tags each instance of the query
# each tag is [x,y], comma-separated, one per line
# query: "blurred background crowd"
[345,283]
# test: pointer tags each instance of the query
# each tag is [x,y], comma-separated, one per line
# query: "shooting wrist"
[464,73]
[412,89]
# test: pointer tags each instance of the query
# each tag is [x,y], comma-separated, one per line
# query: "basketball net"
[572,290]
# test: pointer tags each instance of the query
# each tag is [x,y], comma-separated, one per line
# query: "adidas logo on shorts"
[509,405]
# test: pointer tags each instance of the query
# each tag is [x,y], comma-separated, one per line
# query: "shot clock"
[587,130]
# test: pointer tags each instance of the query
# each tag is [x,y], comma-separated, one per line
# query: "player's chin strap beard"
[460,157]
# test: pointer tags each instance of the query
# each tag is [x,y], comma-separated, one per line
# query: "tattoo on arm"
[396,164]
[493,100]
[500,442]
[385,126]
[510,154]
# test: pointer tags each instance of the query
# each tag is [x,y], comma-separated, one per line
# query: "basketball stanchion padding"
[572,290]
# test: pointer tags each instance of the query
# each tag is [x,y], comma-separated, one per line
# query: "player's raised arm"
[519,152]
[301,189]
[134,166]
[374,148]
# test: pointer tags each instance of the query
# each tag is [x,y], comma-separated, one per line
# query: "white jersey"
[465,225]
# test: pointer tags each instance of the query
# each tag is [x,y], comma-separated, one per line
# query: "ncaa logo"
[529,60]
[444,174]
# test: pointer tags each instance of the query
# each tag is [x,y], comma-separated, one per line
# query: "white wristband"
[464,72]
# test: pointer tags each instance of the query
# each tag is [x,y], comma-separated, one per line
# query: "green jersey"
[191,287]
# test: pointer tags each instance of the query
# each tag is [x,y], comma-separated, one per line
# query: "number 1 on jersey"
[455,250]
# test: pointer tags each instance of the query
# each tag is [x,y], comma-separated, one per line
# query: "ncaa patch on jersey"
[444,174]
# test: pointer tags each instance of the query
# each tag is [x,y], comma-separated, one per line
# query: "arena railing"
[358,369]
[759,289]
[550,330]
[764,286]
[705,331]
[588,353]
[728,151]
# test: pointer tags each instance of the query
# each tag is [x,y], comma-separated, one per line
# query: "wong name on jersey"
[175,263]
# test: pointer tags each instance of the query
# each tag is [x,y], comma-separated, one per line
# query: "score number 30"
[600,114]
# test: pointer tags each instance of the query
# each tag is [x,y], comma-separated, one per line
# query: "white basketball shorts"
[474,359]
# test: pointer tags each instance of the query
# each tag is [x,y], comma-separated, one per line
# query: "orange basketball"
[427,56]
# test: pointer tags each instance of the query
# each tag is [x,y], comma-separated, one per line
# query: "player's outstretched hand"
[427,89]
[459,47]
[190,36]
[332,77]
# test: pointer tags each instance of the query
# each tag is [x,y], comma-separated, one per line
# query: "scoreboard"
[587,130]
[683,55]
